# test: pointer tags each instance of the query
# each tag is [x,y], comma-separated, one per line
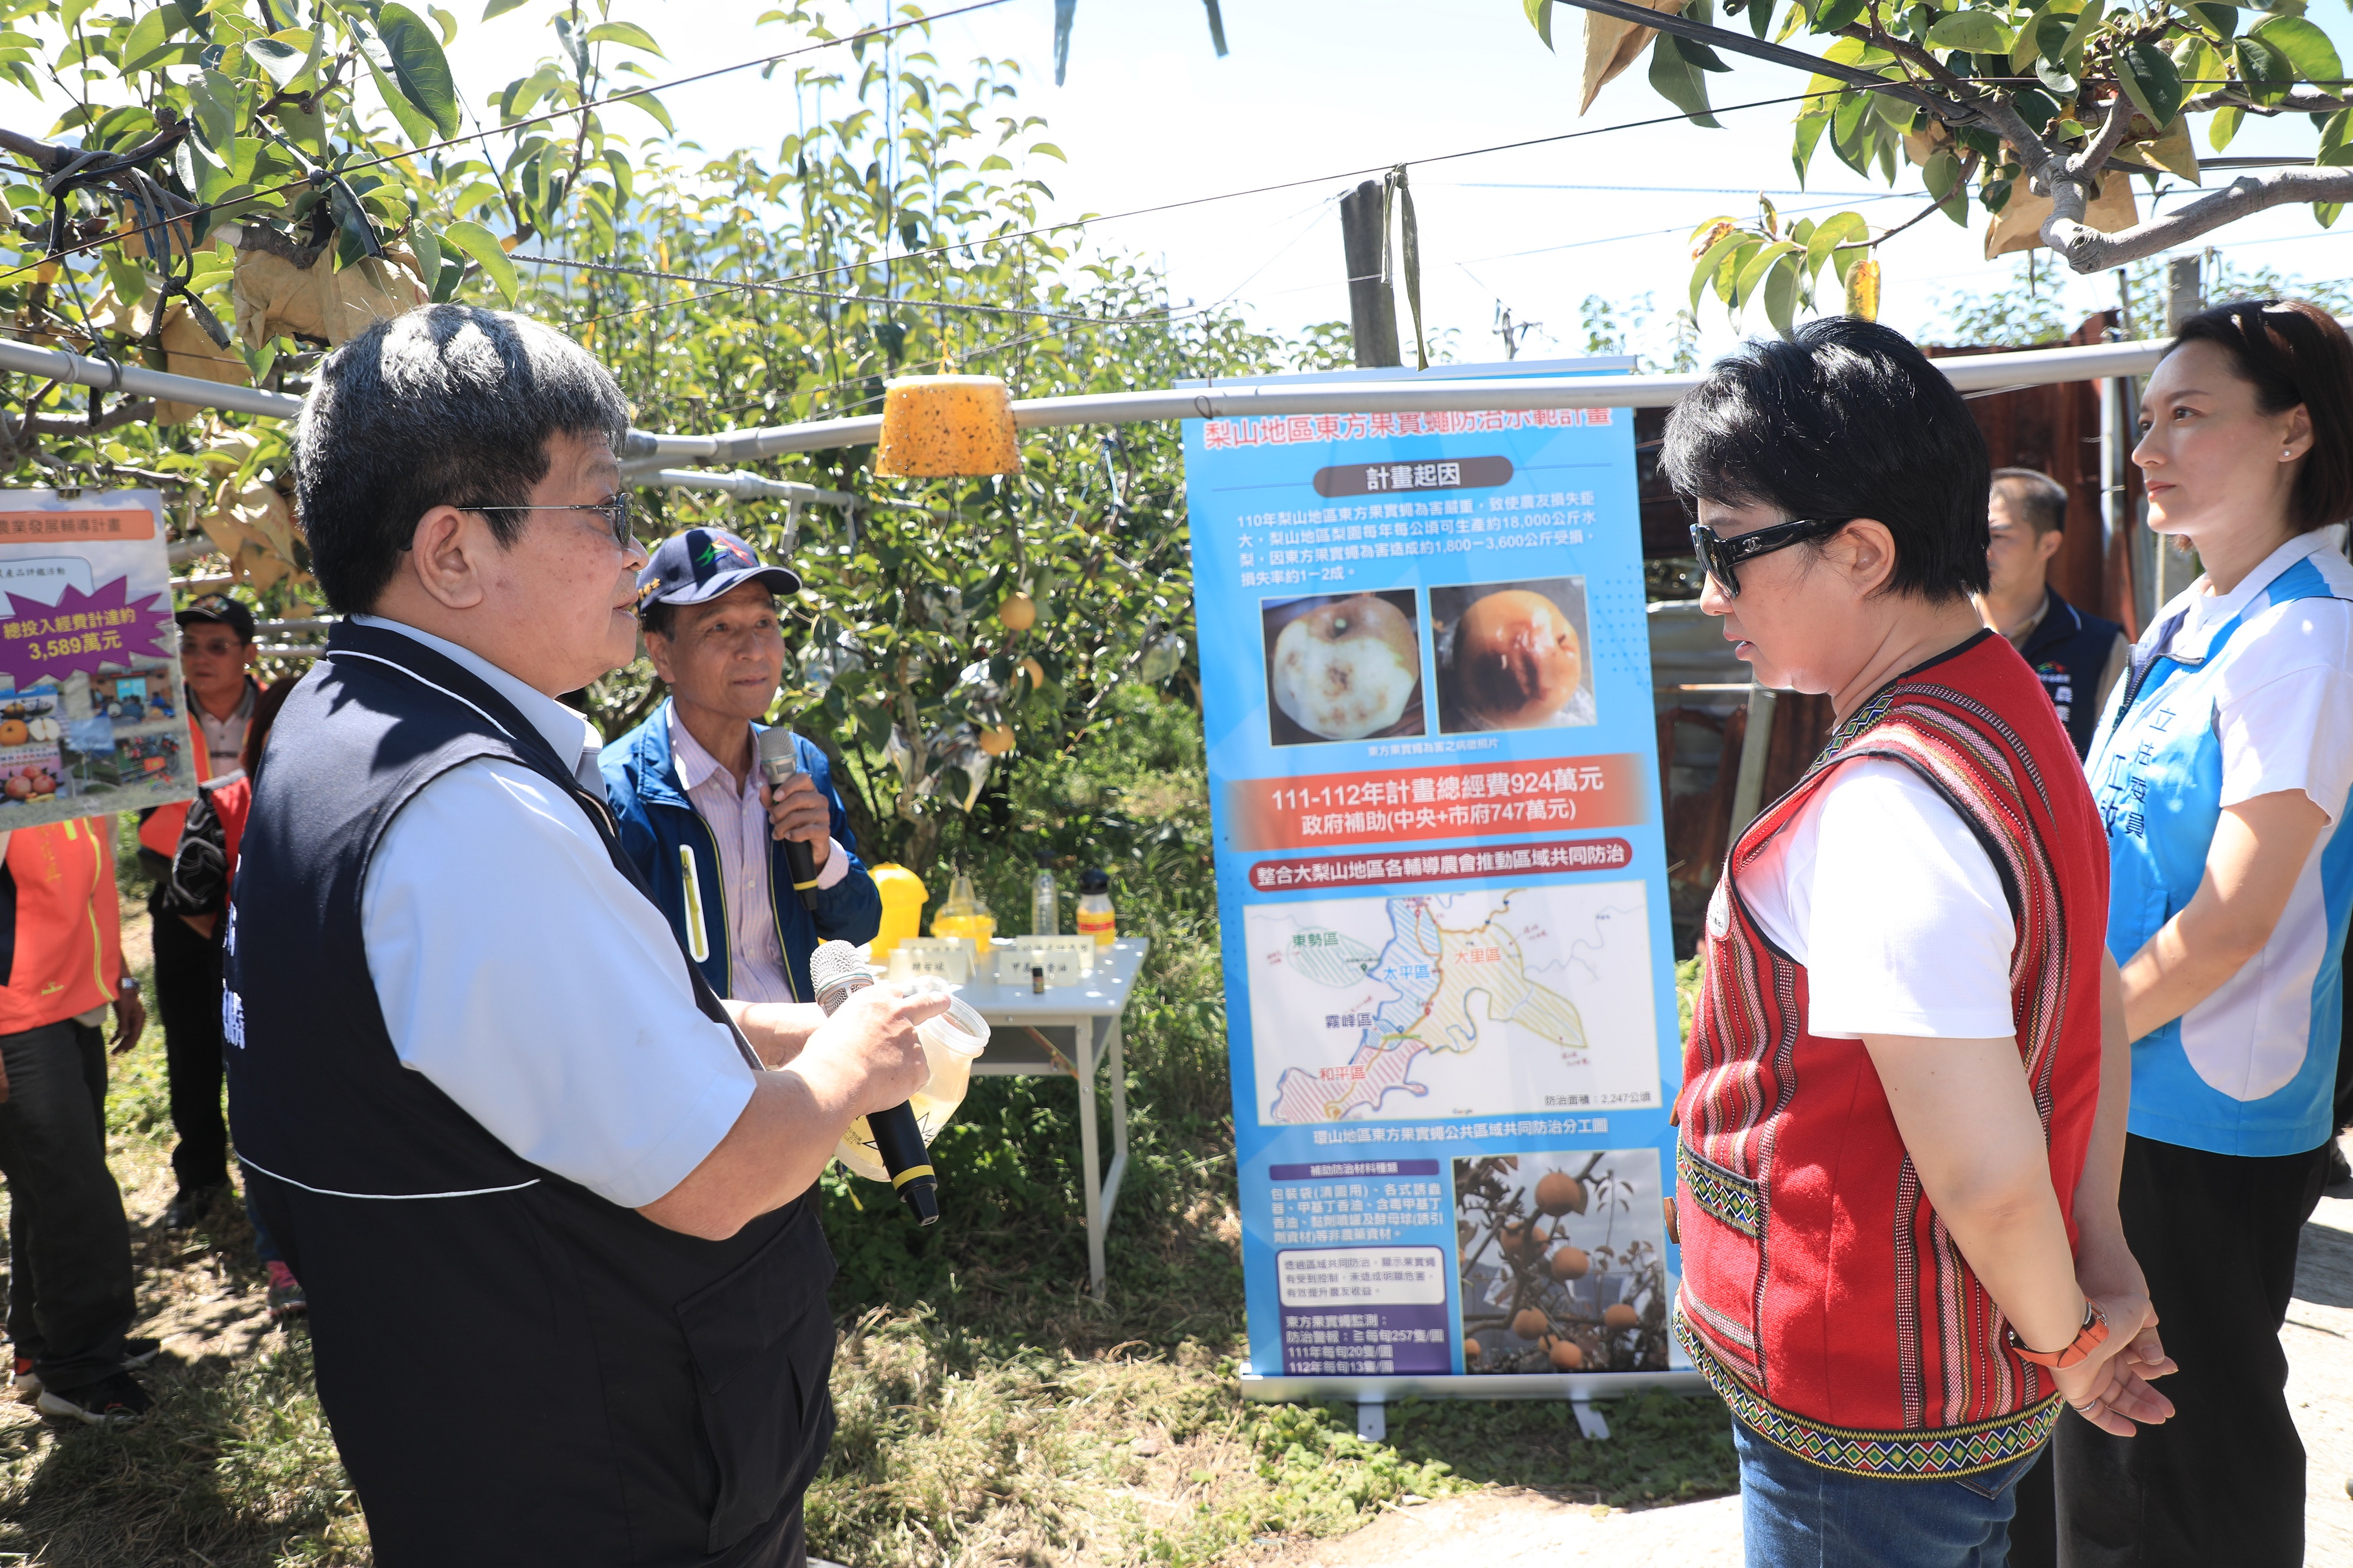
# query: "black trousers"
[2223,1480]
[188,996]
[69,1295]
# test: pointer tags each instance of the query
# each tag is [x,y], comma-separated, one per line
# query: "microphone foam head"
[835,964]
[776,745]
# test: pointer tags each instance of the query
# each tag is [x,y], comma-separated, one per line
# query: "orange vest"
[160,831]
[68,939]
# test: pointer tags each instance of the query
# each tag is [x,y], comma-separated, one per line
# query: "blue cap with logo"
[702,563]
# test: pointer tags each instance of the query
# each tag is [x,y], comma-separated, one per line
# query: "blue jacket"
[662,832]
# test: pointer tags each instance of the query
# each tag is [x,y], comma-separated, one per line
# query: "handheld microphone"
[836,971]
[779,760]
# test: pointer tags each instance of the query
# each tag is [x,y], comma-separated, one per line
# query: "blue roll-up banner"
[1450,982]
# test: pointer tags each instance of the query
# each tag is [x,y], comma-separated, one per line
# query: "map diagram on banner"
[1423,1006]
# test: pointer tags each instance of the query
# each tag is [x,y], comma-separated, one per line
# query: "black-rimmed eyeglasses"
[621,515]
[1722,557]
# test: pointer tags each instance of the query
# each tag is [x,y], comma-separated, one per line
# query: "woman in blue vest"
[2221,768]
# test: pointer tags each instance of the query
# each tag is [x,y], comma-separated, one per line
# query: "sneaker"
[136,1353]
[115,1401]
[191,1204]
[286,1297]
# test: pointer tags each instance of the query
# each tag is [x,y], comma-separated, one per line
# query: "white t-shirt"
[532,983]
[1881,890]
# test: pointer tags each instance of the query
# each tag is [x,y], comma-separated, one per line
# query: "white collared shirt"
[529,981]
[739,826]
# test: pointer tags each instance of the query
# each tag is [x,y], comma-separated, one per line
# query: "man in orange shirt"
[216,654]
[70,1295]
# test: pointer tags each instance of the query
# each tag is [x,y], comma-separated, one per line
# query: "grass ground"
[991,1412]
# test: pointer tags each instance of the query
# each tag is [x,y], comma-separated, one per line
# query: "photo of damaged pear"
[1343,668]
[1512,656]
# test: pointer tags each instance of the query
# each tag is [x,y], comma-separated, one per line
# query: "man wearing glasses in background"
[551,1198]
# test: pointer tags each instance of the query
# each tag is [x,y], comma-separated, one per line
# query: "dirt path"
[1506,1529]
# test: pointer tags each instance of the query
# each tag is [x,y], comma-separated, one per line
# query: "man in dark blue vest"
[550,1196]
[2078,656]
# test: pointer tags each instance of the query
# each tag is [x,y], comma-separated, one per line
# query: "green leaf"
[652,105]
[1540,18]
[420,131]
[1696,53]
[1760,16]
[282,60]
[425,246]
[1975,31]
[1050,150]
[1680,84]
[2223,20]
[2326,212]
[1781,295]
[500,8]
[2264,68]
[149,32]
[2307,48]
[419,66]
[213,102]
[1754,267]
[2081,34]
[619,163]
[483,247]
[1832,14]
[1808,136]
[2151,82]
[1718,254]
[2225,126]
[1839,228]
[627,34]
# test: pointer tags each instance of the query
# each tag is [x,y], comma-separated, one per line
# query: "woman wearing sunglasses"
[2220,769]
[1897,1166]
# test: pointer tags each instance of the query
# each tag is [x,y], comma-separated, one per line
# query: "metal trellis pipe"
[1393,394]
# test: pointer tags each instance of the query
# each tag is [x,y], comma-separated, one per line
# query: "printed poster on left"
[89,666]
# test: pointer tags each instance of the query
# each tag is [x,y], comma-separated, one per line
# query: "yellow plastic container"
[947,426]
[903,897]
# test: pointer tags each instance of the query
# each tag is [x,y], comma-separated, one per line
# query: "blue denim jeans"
[1794,1514]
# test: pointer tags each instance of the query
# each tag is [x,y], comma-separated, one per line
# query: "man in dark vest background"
[2077,656]
[550,1196]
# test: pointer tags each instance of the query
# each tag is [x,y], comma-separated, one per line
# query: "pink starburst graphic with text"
[80,632]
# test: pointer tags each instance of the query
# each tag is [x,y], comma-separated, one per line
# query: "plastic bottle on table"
[1096,917]
[1045,900]
[903,895]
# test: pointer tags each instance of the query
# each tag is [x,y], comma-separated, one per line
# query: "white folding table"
[1018,1045]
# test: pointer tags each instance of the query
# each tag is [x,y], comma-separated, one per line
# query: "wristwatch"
[2089,1338]
[127,986]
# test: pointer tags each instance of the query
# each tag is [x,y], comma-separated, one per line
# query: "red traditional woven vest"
[1821,1295]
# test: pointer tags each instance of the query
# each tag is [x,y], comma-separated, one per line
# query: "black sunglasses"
[619,514]
[1722,557]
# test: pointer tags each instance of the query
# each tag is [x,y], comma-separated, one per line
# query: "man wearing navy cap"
[705,833]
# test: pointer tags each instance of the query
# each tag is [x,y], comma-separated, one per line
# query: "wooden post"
[1372,310]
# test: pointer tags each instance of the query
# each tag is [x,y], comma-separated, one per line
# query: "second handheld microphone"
[779,761]
[836,971]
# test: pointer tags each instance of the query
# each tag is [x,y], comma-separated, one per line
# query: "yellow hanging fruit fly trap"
[947,427]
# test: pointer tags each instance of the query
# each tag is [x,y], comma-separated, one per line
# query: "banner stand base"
[1372,1418]
[1372,1394]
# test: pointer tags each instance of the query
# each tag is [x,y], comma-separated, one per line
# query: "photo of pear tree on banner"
[2044,115]
[1563,1262]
